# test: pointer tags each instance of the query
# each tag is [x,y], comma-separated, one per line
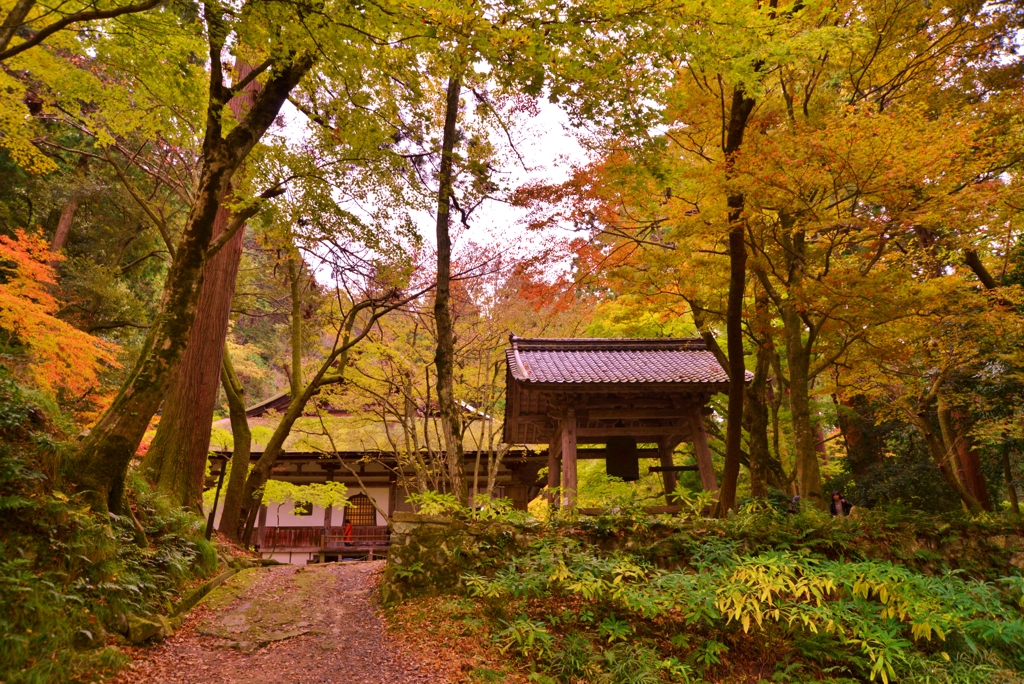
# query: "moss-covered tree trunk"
[176,460]
[444,357]
[240,455]
[102,460]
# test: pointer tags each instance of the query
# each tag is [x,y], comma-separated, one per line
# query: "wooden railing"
[369,537]
[292,537]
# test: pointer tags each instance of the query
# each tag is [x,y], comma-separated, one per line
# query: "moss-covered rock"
[142,629]
[429,554]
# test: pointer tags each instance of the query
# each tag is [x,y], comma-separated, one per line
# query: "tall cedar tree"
[103,458]
[176,459]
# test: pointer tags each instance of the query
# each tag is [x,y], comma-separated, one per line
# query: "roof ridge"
[606,343]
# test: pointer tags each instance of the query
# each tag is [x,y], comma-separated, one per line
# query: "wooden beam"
[674,469]
[625,414]
[535,418]
[645,431]
[700,447]
[569,479]
[592,454]
[554,468]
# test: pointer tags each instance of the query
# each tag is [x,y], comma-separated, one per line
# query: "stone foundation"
[430,553]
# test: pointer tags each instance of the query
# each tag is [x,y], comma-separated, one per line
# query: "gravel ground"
[296,625]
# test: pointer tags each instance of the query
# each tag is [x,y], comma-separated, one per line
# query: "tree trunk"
[865,441]
[798,356]
[257,479]
[67,217]
[738,117]
[444,358]
[241,454]
[819,442]
[67,212]
[295,280]
[176,460]
[1011,488]
[808,473]
[760,455]
[970,459]
[942,454]
[102,460]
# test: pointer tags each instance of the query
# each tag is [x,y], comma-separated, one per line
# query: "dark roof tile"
[614,361]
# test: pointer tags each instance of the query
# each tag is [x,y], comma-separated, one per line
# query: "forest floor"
[290,624]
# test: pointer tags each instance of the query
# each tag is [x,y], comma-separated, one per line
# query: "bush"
[67,575]
[873,620]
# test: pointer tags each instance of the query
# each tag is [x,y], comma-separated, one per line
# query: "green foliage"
[870,619]
[66,575]
[526,637]
[435,503]
[904,473]
[321,494]
[487,509]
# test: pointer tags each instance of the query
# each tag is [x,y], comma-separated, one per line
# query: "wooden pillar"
[665,449]
[554,467]
[703,452]
[569,458]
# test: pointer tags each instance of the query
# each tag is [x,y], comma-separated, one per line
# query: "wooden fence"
[368,537]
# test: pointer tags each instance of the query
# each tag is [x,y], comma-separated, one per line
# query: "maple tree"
[842,196]
[59,358]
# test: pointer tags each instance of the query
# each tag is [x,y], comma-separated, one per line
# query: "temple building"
[566,399]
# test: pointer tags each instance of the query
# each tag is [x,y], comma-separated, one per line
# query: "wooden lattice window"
[361,512]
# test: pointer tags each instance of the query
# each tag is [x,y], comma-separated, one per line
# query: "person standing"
[839,506]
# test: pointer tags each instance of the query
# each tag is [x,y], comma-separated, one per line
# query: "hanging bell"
[621,459]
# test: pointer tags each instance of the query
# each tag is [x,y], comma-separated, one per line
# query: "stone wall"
[429,554]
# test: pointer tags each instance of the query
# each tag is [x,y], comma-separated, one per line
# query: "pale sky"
[549,149]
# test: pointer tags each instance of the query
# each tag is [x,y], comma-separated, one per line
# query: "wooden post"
[665,449]
[569,458]
[703,452]
[554,467]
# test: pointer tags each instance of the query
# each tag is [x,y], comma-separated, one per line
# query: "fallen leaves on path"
[340,636]
[448,633]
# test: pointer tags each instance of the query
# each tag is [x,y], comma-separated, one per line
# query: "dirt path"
[284,624]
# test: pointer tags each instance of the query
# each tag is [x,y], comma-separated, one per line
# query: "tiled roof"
[614,361]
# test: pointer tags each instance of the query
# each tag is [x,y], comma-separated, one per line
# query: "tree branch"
[973,262]
[76,18]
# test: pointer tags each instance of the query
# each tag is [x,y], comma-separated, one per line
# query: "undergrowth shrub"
[871,620]
[67,575]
